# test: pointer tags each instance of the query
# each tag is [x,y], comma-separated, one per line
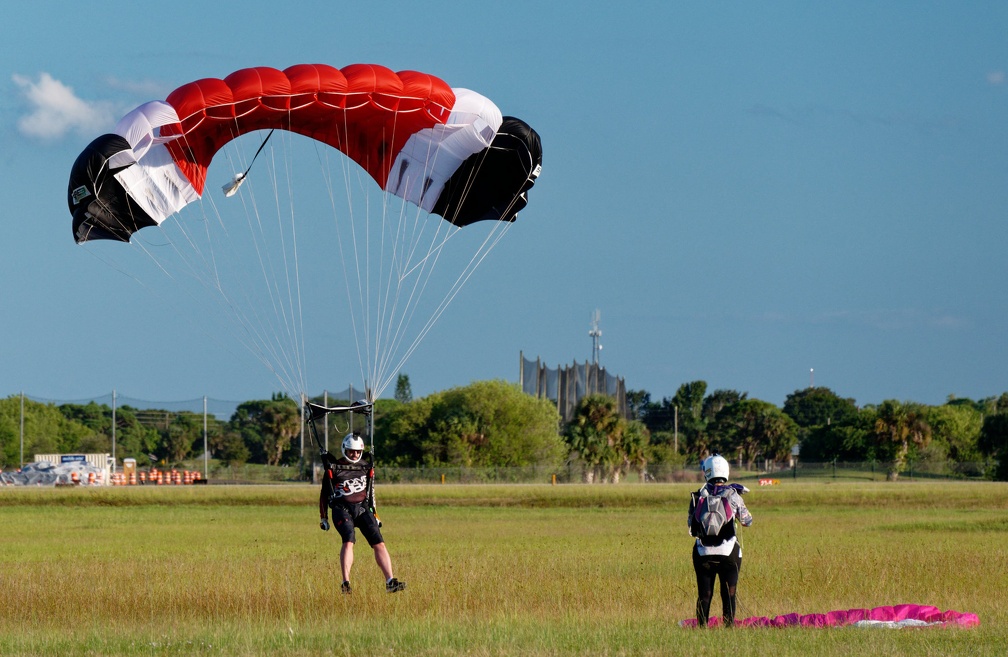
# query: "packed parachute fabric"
[896,616]
[449,151]
[43,473]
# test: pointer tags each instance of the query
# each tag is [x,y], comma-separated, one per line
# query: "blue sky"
[746,193]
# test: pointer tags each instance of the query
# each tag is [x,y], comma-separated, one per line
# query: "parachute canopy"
[449,151]
[895,616]
[369,187]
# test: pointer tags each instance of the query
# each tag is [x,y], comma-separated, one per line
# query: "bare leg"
[346,560]
[383,560]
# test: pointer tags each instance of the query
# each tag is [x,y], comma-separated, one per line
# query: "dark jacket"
[344,482]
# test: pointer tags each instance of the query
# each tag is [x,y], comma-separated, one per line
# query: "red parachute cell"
[366,111]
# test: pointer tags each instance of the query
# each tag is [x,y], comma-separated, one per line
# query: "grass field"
[491,570]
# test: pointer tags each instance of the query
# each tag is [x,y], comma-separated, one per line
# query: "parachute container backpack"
[361,200]
[713,520]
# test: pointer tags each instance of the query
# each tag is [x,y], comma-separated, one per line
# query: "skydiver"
[717,555]
[346,488]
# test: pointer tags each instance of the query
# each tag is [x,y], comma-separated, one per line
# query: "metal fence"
[655,473]
[566,386]
[839,470]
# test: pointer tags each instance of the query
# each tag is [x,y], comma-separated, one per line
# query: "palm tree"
[897,426]
[594,435]
[281,423]
[635,446]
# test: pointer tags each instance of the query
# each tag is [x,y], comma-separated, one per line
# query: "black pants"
[726,570]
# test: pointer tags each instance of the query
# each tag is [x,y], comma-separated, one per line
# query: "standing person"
[717,552]
[347,487]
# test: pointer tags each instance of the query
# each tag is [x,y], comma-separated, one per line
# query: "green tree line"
[494,424]
[825,427]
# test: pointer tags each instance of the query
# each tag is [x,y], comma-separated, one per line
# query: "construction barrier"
[75,471]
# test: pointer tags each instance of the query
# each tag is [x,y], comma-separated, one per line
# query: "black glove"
[324,524]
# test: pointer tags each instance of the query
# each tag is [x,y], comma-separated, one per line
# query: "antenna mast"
[595,334]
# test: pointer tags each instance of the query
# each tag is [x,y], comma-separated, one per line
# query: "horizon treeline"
[494,424]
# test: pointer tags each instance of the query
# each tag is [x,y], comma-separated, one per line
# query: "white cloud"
[996,78]
[895,319]
[54,110]
[147,89]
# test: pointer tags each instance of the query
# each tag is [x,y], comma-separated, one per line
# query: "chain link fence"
[654,473]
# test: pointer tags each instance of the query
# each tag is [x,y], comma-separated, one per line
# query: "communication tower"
[595,334]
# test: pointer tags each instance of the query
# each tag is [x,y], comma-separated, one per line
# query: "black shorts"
[348,516]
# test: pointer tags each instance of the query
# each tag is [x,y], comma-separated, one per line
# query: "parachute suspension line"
[138,246]
[370,309]
[206,275]
[406,266]
[297,275]
[385,308]
[362,282]
[493,238]
[427,265]
[497,233]
[293,287]
[368,305]
[281,313]
[400,300]
[394,227]
[255,331]
[393,330]
[415,292]
[383,303]
[398,309]
[326,168]
[234,297]
[249,315]
[388,297]
[157,262]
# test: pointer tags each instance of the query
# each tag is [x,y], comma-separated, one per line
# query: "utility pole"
[113,430]
[206,454]
[675,429]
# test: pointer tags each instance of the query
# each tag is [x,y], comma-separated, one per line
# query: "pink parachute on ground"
[906,615]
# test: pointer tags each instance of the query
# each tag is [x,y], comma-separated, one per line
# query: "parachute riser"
[319,412]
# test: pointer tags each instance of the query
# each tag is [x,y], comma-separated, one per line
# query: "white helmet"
[715,467]
[353,442]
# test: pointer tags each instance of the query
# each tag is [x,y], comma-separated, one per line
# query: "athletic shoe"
[394,585]
[345,588]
